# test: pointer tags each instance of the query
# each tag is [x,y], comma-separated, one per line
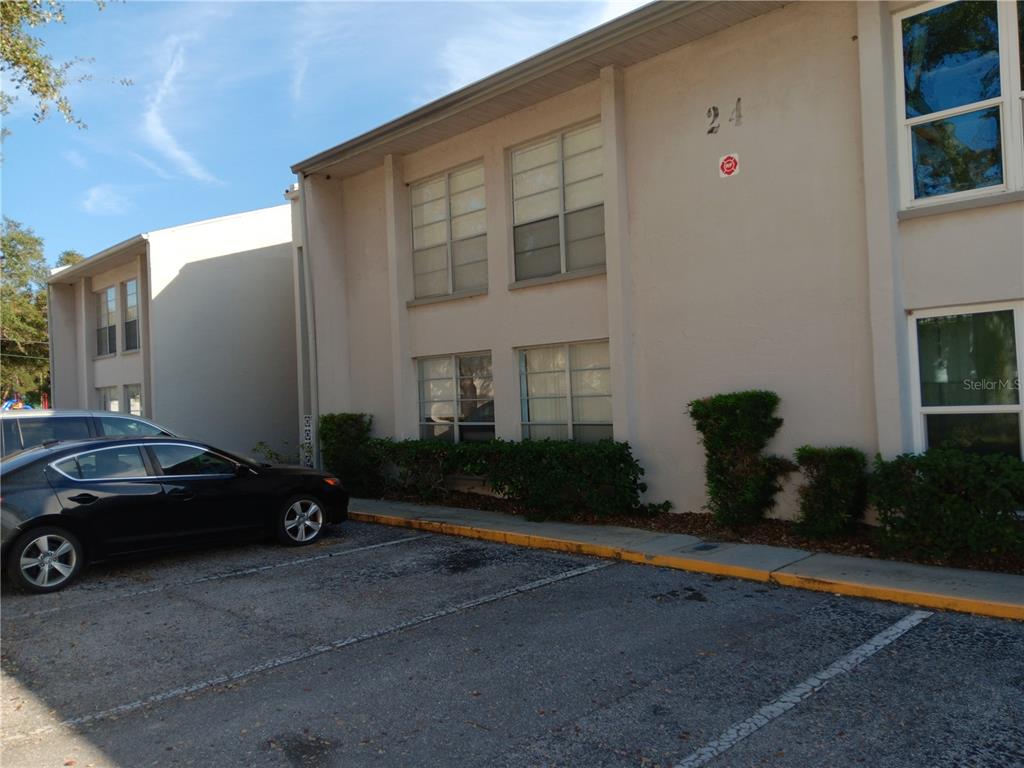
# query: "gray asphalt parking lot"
[384,647]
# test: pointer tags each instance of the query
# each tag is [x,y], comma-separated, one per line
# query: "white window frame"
[559,138]
[449,240]
[456,421]
[568,371]
[1011,128]
[921,412]
[113,390]
[124,316]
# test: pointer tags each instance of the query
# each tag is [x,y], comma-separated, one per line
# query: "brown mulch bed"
[860,542]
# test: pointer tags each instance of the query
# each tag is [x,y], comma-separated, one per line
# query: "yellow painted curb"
[907,596]
[850,588]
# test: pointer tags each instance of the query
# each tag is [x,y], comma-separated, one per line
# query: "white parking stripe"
[217,576]
[308,653]
[778,707]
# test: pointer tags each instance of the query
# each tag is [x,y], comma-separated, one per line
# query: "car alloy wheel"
[46,559]
[303,520]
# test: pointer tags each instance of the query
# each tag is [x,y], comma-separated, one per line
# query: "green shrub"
[345,447]
[834,492]
[741,481]
[546,479]
[947,502]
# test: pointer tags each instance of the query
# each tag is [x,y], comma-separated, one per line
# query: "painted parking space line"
[787,701]
[217,576]
[308,653]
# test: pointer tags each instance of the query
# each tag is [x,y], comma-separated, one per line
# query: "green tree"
[25,64]
[69,258]
[24,339]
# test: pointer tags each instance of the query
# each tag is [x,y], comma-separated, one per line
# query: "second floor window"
[558,204]
[961,99]
[449,233]
[106,322]
[131,315]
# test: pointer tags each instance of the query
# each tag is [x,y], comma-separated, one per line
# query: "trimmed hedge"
[834,492]
[741,480]
[346,450]
[947,502]
[547,479]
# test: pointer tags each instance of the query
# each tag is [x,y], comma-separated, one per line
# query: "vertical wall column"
[86,346]
[617,254]
[145,338]
[403,371]
[885,269]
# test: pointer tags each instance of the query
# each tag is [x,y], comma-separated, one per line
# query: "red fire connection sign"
[728,165]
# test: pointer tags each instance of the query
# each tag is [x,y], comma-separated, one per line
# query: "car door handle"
[181,494]
[83,498]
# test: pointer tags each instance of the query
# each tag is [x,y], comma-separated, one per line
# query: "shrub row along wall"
[544,479]
[942,503]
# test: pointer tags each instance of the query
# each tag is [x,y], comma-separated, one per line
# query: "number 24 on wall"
[735,117]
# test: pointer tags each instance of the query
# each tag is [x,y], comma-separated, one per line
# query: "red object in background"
[728,165]
[45,401]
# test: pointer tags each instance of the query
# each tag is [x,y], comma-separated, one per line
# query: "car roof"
[40,412]
[56,448]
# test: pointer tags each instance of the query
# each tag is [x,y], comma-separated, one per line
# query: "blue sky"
[227,95]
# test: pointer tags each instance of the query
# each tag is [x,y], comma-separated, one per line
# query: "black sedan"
[70,502]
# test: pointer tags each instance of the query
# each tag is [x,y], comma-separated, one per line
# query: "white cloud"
[154,124]
[317,26]
[75,158]
[105,200]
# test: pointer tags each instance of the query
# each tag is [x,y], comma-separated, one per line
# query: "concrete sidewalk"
[979,592]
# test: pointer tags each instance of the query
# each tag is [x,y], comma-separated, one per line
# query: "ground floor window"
[456,396]
[133,398]
[565,392]
[108,398]
[968,378]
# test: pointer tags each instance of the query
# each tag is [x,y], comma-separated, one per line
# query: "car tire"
[300,521]
[56,557]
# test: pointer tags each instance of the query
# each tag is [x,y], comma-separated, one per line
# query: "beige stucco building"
[699,197]
[190,326]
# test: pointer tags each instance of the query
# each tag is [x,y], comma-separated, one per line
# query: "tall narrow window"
[565,392]
[449,233]
[133,398]
[957,98]
[108,399]
[969,379]
[106,322]
[131,315]
[558,204]
[457,397]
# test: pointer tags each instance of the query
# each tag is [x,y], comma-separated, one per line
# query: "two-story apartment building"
[191,326]
[821,199]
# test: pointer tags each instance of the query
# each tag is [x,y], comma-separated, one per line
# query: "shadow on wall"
[223,351]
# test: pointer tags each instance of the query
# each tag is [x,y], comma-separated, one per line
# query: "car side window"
[190,460]
[36,431]
[11,438]
[109,463]
[123,426]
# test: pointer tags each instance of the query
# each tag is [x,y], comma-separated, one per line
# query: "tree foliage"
[25,64]
[24,347]
[69,258]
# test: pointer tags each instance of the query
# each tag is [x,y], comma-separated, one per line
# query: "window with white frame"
[449,233]
[106,322]
[457,397]
[131,315]
[133,398]
[961,100]
[558,204]
[108,398]
[565,392]
[968,390]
